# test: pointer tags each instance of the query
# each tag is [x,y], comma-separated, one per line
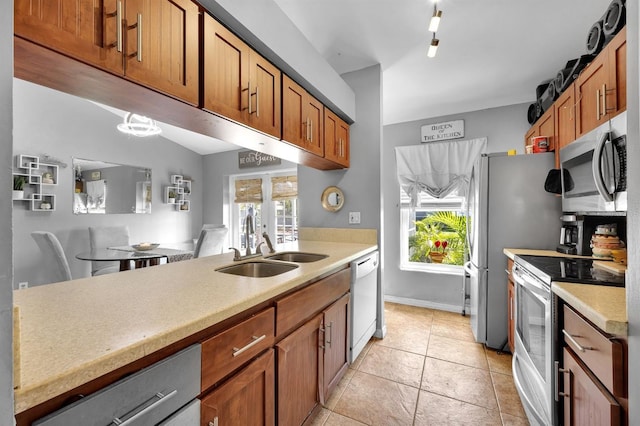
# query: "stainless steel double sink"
[271,265]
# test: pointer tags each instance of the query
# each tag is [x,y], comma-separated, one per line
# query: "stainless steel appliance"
[536,343]
[507,207]
[364,302]
[594,177]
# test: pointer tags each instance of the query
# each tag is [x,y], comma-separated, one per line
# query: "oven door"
[532,361]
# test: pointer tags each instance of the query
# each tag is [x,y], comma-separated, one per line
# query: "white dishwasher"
[364,302]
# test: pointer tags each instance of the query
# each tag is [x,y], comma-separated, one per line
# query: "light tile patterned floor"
[427,371]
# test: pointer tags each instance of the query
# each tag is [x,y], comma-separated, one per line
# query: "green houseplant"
[18,187]
[442,233]
[171,197]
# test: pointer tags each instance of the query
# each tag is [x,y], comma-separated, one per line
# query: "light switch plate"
[354,217]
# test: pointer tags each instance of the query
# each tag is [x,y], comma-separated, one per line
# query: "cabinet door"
[588,86]
[565,112]
[336,344]
[616,92]
[226,82]
[162,46]
[586,401]
[546,127]
[265,81]
[298,359]
[84,29]
[247,399]
[302,118]
[336,138]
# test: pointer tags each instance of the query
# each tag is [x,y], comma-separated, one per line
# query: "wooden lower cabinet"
[336,345]
[246,399]
[586,400]
[299,356]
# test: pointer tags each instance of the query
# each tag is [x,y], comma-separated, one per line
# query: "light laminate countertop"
[75,331]
[604,306]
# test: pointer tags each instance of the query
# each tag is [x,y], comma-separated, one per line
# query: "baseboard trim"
[423,303]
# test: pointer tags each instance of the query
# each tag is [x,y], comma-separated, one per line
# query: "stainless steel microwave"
[594,169]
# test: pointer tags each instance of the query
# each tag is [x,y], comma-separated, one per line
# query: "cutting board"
[616,268]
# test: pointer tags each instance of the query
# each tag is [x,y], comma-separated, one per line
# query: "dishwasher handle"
[365,265]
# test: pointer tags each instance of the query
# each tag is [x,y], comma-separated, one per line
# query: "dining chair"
[104,237]
[208,226]
[53,254]
[210,241]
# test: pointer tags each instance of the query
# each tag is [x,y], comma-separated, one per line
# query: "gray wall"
[361,182]
[6,294]
[63,126]
[217,169]
[633,216]
[504,128]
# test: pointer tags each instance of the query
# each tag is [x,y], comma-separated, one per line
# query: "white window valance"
[437,168]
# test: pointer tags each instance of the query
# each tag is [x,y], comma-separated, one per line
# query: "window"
[433,235]
[264,202]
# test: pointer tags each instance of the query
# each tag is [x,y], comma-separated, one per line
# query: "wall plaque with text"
[249,159]
[442,131]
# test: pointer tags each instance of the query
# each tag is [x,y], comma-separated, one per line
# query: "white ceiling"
[492,52]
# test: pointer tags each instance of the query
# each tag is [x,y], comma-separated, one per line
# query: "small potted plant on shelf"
[18,187]
[439,252]
[171,197]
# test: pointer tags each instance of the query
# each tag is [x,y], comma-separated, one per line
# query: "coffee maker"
[572,235]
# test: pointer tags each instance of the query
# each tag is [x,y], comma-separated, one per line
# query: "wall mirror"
[332,199]
[109,188]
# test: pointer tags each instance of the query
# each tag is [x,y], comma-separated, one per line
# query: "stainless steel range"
[536,344]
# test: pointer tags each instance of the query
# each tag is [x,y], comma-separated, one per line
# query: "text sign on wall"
[247,159]
[442,131]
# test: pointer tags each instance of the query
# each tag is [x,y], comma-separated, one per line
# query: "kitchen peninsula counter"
[604,306]
[73,332]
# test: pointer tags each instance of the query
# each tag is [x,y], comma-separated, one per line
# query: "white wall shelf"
[39,178]
[180,188]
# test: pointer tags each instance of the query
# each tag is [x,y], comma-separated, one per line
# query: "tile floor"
[427,371]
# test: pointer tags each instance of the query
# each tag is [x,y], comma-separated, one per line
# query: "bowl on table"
[144,246]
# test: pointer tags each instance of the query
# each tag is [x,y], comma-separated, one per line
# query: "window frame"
[407,220]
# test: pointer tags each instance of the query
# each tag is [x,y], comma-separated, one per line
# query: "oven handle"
[538,288]
[596,166]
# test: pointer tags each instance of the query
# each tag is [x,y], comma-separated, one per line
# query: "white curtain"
[437,168]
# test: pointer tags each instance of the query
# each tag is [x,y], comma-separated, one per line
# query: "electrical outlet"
[23,285]
[354,217]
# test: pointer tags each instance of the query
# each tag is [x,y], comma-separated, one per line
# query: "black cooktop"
[573,270]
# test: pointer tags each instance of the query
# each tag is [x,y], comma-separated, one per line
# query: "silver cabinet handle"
[249,96]
[255,341]
[139,32]
[574,342]
[330,327]
[119,26]
[257,101]
[161,399]
[604,99]
[559,370]
[597,104]
[311,131]
[307,124]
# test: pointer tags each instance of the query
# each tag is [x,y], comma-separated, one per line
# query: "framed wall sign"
[442,131]
[248,159]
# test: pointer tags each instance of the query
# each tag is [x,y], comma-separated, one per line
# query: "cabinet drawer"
[297,307]
[144,398]
[230,349]
[603,356]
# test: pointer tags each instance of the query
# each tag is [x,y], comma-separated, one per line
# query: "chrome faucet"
[268,241]
[238,256]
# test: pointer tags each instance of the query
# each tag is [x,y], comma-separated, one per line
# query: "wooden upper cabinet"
[239,83]
[83,29]
[154,43]
[565,120]
[545,126]
[600,89]
[302,118]
[336,138]
[162,46]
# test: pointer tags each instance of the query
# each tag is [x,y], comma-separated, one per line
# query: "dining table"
[128,255]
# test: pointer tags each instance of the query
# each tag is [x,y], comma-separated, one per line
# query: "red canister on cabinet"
[540,144]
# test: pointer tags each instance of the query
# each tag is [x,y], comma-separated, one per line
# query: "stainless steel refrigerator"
[507,206]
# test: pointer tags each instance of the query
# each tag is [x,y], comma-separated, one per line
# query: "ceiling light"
[433,47]
[435,20]
[139,125]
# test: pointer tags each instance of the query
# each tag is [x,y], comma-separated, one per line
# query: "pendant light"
[139,125]
[433,47]
[434,23]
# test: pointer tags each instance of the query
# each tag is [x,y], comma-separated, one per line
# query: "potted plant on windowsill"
[18,187]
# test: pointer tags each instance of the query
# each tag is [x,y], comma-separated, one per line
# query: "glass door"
[263,203]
